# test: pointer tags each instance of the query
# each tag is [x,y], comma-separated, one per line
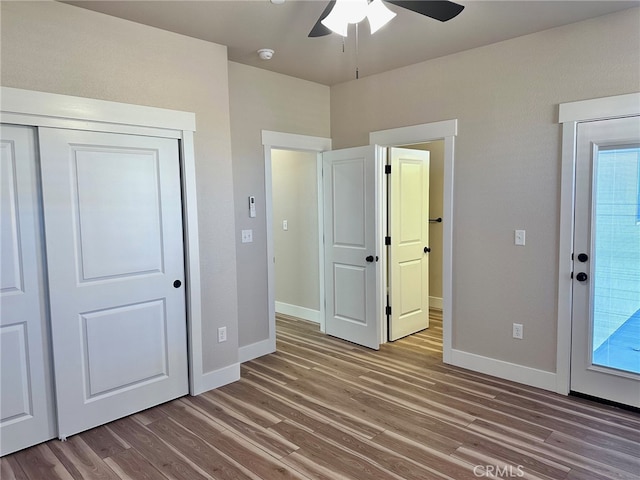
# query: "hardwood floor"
[322,408]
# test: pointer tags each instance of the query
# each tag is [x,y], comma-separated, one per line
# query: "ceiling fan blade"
[319,30]
[438,9]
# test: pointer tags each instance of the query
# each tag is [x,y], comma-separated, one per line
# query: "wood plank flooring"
[321,408]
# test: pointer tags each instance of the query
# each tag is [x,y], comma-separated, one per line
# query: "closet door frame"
[40,109]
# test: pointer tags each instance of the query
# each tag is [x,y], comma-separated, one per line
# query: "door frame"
[295,142]
[445,130]
[569,115]
[41,109]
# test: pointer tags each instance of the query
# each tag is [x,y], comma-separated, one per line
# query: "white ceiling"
[245,26]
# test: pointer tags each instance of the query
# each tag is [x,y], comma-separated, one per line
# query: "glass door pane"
[616,272]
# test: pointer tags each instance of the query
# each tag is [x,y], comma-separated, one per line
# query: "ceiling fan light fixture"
[345,12]
[378,15]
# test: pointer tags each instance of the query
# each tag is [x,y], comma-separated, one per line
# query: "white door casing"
[409,232]
[113,217]
[350,224]
[26,400]
[618,386]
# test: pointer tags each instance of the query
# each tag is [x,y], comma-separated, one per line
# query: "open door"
[409,242]
[351,268]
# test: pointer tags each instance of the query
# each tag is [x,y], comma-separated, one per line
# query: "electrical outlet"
[517,331]
[222,334]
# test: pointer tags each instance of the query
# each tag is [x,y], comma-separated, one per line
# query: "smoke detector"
[265,53]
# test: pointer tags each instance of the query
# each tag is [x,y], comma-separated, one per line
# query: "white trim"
[565,264]
[320,200]
[435,303]
[255,350]
[508,371]
[446,130]
[293,141]
[297,311]
[414,134]
[570,114]
[40,109]
[52,105]
[599,108]
[218,378]
[290,141]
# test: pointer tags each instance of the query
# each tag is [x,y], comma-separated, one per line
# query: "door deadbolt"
[582,277]
[177,284]
[583,257]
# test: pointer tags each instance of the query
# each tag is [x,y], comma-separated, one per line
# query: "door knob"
[581,277]
[583,257]
[427,249]
[369,258]
[177,284]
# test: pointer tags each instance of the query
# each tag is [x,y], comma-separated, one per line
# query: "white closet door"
[113,218]
[26,403]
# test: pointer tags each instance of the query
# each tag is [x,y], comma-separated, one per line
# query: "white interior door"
[605,352]
[112,208]
[26,403]
[409,249]
[351,270]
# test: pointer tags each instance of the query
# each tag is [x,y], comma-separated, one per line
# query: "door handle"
[582,277]
[371,258]
[427,249]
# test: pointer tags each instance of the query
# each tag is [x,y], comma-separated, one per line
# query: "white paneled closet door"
[26,403]
[114,237]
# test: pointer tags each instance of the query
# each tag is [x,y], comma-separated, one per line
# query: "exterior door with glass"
[605,352]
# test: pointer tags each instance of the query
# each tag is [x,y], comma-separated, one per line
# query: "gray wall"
[295,199]
[58,48]
[507,164]
[263,100]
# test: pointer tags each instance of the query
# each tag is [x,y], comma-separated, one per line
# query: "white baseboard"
[508,371]
[255,350]
[435,303]
[296,311]
[218,378]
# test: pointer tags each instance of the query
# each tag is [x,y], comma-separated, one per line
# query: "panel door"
[409,229]
[351,311]
[26,393]
[605,352]
[112,207]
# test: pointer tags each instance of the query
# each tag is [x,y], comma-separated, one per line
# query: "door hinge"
[387,169]
[387,240]
[387,310]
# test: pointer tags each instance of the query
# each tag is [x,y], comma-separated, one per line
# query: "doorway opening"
[443,132]
[296,228]
[598,295]
[421,221]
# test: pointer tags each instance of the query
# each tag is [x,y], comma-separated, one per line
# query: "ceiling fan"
[439,9]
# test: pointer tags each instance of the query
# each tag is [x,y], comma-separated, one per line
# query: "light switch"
[247,236]
[519,237]
[285,225]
